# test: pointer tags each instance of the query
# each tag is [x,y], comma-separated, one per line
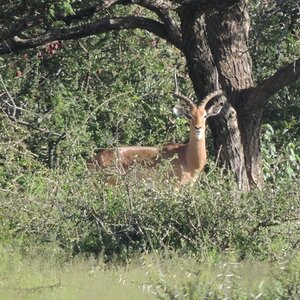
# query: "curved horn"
[176,94]
[210,96]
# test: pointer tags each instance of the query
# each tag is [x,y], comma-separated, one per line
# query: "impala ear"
[181,113]
[215,108]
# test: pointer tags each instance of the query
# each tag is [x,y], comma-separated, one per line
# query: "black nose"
[197,127]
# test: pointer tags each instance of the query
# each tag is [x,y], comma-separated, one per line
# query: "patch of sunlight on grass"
[148,276]
[81,279]
[185,277]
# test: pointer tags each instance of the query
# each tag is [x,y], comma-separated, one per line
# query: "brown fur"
[186,159]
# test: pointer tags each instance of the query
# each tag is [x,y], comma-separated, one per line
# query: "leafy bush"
[82,214]
[281,161]
[89,95]
[287,279]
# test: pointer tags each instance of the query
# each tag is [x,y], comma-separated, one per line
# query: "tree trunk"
[250,128]
[218,39]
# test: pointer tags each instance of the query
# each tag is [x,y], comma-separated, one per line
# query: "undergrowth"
[202,241]
[81,213]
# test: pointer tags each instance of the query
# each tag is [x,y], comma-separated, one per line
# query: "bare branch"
[37,288]
[10,103]
[11,111]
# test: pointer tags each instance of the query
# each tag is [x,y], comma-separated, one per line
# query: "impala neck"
[196,152]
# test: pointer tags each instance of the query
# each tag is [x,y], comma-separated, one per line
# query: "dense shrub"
[58,107]
[82,214]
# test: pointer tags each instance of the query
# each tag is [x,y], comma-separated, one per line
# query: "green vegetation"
[66,234]
[148,276]
[209,239]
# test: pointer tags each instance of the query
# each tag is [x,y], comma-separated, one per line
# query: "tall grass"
[42,277]
[203,241]
[82,214]
[160,275]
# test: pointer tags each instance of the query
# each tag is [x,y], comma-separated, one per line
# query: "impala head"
[198,114]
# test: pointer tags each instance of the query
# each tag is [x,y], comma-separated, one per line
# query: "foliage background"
[61,102]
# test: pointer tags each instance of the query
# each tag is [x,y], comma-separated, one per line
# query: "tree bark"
[218,40]
[228,37]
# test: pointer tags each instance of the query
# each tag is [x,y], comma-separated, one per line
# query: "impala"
[186,159]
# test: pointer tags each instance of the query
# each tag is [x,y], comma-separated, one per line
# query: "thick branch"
[256,98]
[162,9]
[104,25]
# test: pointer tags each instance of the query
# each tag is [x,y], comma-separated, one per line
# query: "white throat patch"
[199,133]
